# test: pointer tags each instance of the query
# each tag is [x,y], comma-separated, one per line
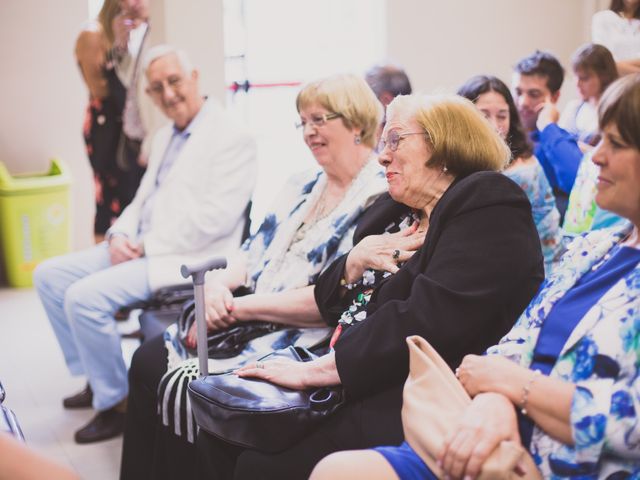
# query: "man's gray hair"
[388,78]
[159,51]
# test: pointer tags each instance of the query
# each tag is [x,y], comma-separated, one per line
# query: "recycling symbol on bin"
[55,214]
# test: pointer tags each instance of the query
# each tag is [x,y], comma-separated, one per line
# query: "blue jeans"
[80,293]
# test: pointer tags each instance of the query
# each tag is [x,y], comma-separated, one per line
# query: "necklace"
[604,259]
[322,210]
[613,250]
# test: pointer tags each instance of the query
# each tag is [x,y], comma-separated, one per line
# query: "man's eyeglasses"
[174,82]
[393,140]
[317,121]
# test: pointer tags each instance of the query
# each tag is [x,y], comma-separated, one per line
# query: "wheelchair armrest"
[162,297]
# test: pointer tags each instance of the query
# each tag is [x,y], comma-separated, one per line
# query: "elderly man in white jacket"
[190,204]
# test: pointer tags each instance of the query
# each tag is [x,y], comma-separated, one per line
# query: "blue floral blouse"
[533,181]
[279,258]
[601,357]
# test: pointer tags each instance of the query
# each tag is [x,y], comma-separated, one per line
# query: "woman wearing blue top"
[565,380]
[492,97]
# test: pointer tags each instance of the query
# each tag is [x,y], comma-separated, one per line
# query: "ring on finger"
[396,254]
[259,365]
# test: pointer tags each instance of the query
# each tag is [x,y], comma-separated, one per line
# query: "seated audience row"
[453,252]
[442,160]
[311,224]
[563,381]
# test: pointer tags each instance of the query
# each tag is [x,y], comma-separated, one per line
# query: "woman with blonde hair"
[311,222]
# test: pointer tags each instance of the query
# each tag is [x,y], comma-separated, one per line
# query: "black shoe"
[106,424]
[82,399]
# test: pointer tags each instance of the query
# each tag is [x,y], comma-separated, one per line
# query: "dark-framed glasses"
[174,82]
[393,139]
[317,121]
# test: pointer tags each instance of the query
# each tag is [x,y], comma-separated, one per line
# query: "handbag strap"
[418,346]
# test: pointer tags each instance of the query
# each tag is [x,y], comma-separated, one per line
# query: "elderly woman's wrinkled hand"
[218,310]
[490,419]
[486,373]
[218,305]
[285,373]
[383,252]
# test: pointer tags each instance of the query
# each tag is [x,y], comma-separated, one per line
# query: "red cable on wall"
[246,85]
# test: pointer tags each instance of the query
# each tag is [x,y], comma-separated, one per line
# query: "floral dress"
[102,132]
[533,181]
[601,357]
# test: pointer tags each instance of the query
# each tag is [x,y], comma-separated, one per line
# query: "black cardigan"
[479,267]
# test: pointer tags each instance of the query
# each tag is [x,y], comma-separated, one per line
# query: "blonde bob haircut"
[460,138]
[351,97]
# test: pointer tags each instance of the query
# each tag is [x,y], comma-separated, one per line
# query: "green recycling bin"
[34,220]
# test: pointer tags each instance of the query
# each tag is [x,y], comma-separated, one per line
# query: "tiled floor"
[35,377]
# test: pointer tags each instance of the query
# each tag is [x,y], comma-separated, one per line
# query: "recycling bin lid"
[56,178]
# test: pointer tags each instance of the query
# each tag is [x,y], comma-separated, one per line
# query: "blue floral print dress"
[601,357]
[533,181]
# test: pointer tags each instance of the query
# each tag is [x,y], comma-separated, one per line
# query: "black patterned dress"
[114,187]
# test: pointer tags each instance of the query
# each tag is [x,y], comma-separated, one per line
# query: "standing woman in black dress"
[98,48]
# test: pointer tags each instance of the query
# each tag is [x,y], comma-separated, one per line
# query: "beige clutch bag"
[433,400]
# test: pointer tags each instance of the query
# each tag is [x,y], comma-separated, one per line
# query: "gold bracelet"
[525,391]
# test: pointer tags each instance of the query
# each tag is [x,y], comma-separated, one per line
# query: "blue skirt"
[406,462]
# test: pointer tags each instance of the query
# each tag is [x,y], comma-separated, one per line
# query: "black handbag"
[259,415]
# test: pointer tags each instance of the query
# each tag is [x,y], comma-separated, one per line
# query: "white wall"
[43,94]
[442,43]
[44,97]
[196,27]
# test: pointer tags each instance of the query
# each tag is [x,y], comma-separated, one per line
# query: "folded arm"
[548,401]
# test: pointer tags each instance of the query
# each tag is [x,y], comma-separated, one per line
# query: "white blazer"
[199,208]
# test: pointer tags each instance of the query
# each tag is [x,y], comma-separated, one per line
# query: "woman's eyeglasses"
[393,140]
[317,121]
